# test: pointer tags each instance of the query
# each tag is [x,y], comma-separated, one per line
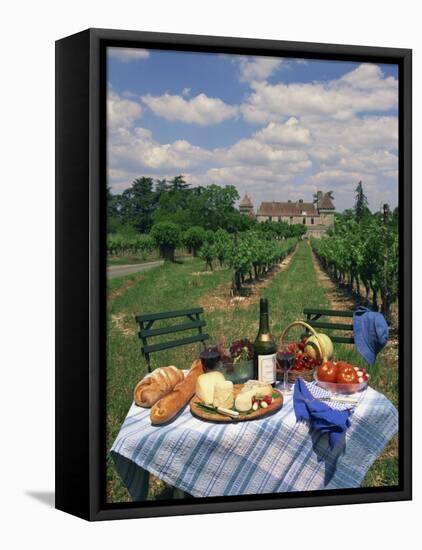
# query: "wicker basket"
[307,375]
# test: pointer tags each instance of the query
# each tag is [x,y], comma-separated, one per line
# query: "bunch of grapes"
[224,357]
[241,350]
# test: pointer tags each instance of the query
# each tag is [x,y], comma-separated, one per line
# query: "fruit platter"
[219,400]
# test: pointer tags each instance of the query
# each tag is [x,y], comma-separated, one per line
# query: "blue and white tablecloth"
[272,455]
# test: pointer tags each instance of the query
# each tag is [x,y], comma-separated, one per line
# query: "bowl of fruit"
[341,377]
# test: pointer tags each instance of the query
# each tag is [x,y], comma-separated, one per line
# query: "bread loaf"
[169,406]
[156,385]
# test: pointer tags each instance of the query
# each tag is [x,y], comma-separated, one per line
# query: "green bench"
[187,320]
[312,316]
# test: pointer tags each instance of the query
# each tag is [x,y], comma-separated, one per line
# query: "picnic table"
[276,454]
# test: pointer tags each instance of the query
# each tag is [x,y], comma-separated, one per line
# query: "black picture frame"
[81,272]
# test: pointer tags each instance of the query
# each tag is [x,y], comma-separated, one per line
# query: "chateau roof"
[246,201]
[326,203]
[287,209]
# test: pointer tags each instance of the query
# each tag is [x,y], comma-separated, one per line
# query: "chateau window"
[312,221]
[304,221]
[291,219]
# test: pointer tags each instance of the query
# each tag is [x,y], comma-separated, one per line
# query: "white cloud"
[121,113]
[126,55]
[257,68]
[362,90]
[201,109]
[253,151]
[292,132]
[139,151]
[367,77]
[186,91]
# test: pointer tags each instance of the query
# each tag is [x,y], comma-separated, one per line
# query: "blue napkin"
[370,330]
[321,416]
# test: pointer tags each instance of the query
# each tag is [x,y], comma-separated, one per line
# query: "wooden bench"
[312,316]
[193,321]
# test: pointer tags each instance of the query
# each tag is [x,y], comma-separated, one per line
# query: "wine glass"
[285,359]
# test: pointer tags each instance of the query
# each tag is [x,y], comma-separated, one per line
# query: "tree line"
[168,214]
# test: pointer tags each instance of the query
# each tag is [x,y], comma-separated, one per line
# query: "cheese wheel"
[205,386]
[223,394]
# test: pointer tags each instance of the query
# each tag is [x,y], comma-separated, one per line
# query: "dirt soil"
[121,290]
[342,299]
[221,297]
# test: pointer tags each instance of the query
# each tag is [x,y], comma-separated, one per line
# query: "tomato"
[327,372]
[346,373]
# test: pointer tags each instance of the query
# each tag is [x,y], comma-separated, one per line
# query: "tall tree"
[161,186]
[138,204]
[361,202]
[178,183]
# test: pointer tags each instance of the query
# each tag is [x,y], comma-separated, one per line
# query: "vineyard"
[119,245]
[191,283]
[250,254]
[363,254]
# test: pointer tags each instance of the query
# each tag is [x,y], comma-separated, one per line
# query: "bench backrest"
[312,316]
[186,319]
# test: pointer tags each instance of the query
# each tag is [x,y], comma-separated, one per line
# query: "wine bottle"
[265,348]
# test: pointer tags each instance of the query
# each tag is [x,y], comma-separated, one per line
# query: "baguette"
[156,385]
[169,406]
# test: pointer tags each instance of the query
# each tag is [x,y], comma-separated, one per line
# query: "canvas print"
[252,275]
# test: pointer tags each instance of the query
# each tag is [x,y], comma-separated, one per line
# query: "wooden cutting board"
[209,415]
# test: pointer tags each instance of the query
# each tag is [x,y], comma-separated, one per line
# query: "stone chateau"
[318,216]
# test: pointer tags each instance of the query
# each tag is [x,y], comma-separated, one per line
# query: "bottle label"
[267,368]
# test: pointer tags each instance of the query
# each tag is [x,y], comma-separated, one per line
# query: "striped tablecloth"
[271,455]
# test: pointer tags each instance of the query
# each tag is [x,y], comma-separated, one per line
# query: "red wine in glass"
[285,361]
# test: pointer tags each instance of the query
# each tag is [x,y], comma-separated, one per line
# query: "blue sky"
[275,128]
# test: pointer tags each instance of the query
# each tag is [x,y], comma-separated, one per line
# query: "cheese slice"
[260,388]
[205,386]
[223,394]
[243,401]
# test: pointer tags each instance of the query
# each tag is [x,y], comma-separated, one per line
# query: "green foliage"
[207,254]
[120,243]
[280,230]
[361,204]
[251,252]
[147,202]
[364,251]
[193,238]
[136,205]
[223,244]
[166,236]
